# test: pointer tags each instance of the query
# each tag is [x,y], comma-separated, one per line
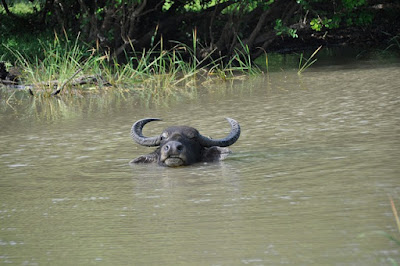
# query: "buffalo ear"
[149,158]
[215,153]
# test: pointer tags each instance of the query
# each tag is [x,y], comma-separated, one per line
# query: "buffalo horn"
[225,142]
[137,135]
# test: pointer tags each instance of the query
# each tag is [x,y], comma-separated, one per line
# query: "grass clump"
[62,58]
[303,65]
[79,68]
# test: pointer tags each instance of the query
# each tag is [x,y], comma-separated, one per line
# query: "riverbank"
[58,63]
[69,66]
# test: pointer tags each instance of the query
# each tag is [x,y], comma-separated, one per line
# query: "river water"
[308,182]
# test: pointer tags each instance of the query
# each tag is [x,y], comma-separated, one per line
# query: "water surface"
[307,184]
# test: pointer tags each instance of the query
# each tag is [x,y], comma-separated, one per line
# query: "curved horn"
[229,140]
[137,135]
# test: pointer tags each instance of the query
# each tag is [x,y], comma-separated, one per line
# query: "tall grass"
[157,70]
[62,58]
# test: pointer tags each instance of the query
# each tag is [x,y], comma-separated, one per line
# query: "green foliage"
[20,7]
[20,32]
[284,30]
[318,24]
[351,4]
[345,13]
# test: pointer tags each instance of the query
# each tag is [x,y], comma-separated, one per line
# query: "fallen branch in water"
[65,83]
[89,79]
[7,82]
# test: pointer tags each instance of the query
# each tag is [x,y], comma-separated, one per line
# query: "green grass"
[166,70]
[61,59]
[160,71]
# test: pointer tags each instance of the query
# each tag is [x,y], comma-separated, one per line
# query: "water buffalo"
[182,145]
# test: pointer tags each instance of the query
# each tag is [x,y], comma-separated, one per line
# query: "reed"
[392,238]
[394,210]
[164,70]
[303,65]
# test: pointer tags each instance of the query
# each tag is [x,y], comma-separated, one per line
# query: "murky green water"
[308,182]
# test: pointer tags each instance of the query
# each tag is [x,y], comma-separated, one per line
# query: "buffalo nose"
[173,147]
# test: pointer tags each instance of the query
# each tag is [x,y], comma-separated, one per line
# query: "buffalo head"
[182,145]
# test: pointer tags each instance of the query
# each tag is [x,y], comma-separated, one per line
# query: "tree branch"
[65,83]
[258,28]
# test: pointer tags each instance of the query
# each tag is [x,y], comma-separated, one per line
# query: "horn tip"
[232,121]
[152,119]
